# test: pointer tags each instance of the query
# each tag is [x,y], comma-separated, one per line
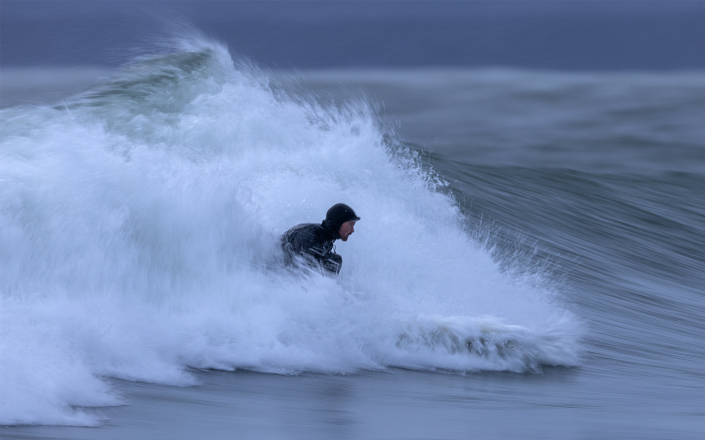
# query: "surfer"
[312,243]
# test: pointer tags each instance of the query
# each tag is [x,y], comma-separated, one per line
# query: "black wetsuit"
[312,244]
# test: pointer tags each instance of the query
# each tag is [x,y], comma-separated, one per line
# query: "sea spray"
[139,227]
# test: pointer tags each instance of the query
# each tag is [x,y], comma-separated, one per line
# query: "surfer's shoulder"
[302,228]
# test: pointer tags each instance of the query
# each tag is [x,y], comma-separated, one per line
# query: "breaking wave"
[139,226]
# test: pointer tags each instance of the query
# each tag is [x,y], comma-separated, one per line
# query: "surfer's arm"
[332,262]
[329,260]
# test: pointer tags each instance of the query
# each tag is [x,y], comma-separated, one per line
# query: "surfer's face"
[346,229]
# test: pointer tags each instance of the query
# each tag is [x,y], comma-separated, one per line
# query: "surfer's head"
[341,218]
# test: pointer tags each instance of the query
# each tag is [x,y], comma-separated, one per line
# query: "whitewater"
[140,224]
[139,228]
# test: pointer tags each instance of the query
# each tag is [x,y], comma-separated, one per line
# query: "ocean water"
[529,263]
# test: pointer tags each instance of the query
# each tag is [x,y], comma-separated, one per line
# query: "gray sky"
[562,35]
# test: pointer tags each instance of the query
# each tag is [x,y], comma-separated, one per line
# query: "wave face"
[139,226]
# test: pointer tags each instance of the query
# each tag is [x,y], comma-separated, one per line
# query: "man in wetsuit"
[312,244]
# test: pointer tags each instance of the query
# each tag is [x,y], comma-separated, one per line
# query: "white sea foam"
[138,237]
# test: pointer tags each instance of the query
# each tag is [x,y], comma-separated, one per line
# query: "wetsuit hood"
[336,216]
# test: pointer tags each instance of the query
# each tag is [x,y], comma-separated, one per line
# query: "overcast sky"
[563,35]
